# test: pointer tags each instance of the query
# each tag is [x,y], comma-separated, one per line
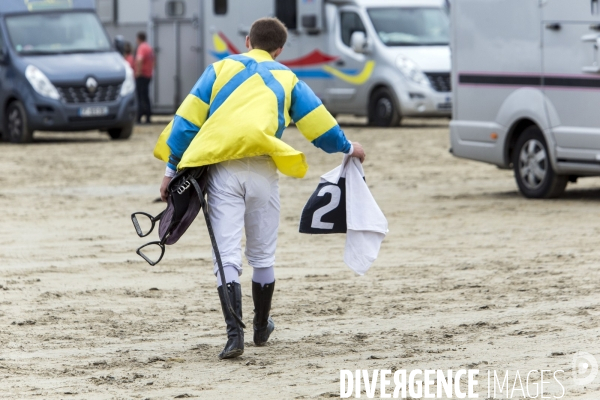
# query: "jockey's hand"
[164,193]
[358,152]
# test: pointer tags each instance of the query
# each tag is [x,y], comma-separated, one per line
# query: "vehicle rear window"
[175,8]
[220,7]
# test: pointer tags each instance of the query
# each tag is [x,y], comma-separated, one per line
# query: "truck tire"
[16,124]
[533,170]
[383,110]
[121,133]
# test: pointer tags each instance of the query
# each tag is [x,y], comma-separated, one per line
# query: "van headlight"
[41,83]
[411,71]
[129,82]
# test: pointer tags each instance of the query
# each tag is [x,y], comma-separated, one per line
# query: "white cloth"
[367,226]
[244,194]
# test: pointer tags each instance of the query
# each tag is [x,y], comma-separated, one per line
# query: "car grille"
[440,81]
[75,94]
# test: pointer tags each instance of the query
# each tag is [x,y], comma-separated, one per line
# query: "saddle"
[185,198]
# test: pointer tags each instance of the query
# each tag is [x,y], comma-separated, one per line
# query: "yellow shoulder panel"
[194,110]
[316,123]
[227,70]
[217,66]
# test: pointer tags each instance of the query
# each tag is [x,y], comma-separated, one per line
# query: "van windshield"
[414,26]
[57,33]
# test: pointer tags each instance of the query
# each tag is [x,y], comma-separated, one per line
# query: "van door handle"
[592,69]
[555,26]
[340,63]
[595,27]
[590,38]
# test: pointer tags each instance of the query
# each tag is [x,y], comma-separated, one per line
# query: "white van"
[384,59]
[526,85]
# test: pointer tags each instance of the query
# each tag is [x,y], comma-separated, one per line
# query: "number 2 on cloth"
[336,195]
[325,210]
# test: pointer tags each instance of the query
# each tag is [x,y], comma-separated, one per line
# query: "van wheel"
[16,125]
[533,170]
[121,133]
[382,109]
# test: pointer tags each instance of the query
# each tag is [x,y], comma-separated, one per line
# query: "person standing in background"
[144,66]
[128,55]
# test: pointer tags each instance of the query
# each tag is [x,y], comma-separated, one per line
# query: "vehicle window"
[285,11]
[175,8]
[404,26]
[53,33]
[350,23]
[220,7]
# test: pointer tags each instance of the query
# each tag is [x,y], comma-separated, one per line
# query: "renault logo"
[91,85]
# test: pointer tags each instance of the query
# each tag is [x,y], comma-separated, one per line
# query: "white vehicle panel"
[570,10]
[572,77]
[492,65]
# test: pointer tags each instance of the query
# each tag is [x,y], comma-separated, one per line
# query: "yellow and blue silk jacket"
[239,108]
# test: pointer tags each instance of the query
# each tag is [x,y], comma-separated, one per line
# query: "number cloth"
[239,108]
[325,211]
[344,203]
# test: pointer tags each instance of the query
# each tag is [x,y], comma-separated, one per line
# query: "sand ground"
[471,275]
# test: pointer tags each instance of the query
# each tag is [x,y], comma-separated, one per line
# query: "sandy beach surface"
[470,276]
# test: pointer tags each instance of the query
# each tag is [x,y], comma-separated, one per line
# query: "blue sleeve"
[182,134]
[304,101]
[333,141]
[315,122]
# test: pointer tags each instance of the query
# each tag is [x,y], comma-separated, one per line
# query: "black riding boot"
[263,324]
[235,333]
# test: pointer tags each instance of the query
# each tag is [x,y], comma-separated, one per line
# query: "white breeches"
[245,194]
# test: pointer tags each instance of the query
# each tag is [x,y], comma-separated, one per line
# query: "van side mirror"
[120,44]
[358,42]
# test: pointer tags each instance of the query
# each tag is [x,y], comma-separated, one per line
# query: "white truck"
[384,59]
[526,85]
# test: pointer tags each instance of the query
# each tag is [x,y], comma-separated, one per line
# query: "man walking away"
[144,65]
[233,120]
